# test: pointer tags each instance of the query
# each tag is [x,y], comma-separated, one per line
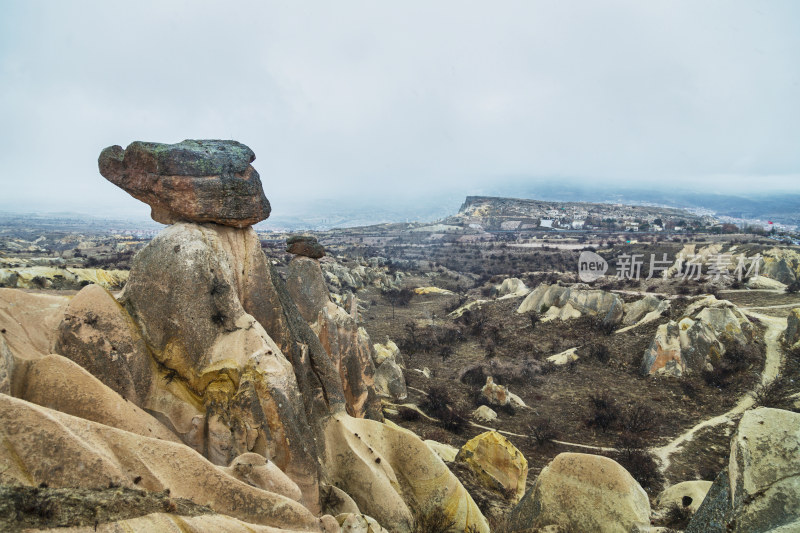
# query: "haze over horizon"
[405,103]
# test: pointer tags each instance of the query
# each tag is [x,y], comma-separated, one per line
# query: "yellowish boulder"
[497,463]
[582,492]
[389,471]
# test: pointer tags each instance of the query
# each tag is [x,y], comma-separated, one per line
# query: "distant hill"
[494,213]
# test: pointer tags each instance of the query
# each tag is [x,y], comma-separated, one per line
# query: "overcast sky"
[394,99]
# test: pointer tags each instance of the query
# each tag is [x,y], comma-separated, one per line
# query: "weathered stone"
[585,493]
[512,288]
[390,381]
[30,321]
[58,383]
[386,351]
[186,291]
[484,413]
[496,463]
[336,501]
[714,512]
[99,335]
[307,287]
[350,349]
[6,367]
[257,471]
[46,446]
[765,470]
[446,452]
[792,334]
[194,180]
[565,357]
[495,394]
[571,302]
[648,307]
[687,494]
[305,245]
[389,471]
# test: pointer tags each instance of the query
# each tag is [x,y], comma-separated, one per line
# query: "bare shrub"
[604,411]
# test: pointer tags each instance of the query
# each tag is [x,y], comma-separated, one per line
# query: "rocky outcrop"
[484,413]
[306,246]
[497,464]
[194,180]
[58,383]
[556,301]
[791,337]
[29,321]
[647,309]
[494,393]
[446,452]
[248,402]
[582,492]
[257,471]
[342,278]
[760,490]
[350,350]
[512,288]
[99,335]
[187,292]
[45,446]
[6,367]
[389,472]
[696,344]
[348,346]
[390,381]
[687,495]
[306,285]
[781,264]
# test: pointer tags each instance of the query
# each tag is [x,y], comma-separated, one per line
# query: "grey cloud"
[347,100]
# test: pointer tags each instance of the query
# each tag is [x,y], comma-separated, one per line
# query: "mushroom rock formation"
[210,345]
[198,181]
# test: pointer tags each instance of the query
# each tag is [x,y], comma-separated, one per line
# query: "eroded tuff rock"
[760,489]
[556,301]
[46,446]
[306,284]
[187,292]
[792,334]
[389,471]
[58,383]
[583,492]
[98,334]
[497,464]
[194,180]
[695,342]
[306,246]
[350,349]
[349,346]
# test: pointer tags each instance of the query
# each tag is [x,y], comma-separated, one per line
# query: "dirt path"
[772,364]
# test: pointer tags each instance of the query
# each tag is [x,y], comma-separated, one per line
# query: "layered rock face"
[694,343]
[555,301]
[348,345]
[198,181]
[206,351]
[760,489]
